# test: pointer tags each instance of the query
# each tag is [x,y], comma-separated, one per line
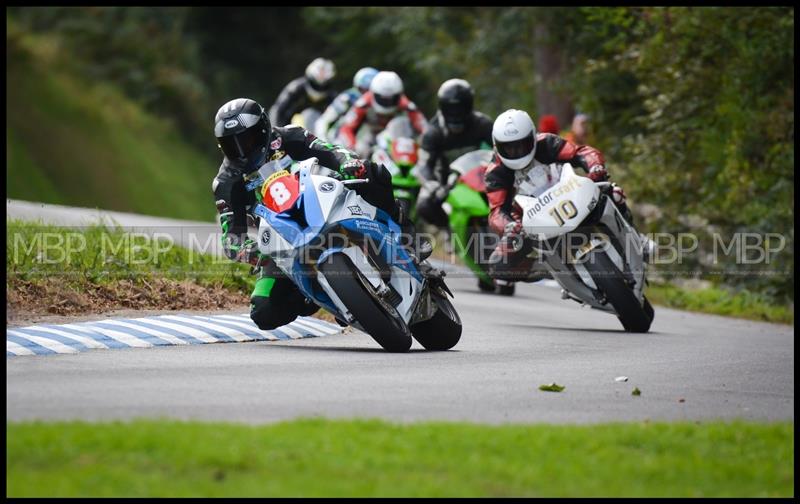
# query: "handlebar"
[355,181]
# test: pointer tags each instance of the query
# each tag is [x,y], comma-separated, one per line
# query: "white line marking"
[291,332]
[125,339]
[233,333]
[18,349]
[152,332]
[89,342]
[319,326]
[242,319]
[188,330]
[251,326]
[53,345]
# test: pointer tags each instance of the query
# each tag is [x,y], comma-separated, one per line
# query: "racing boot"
[513,261]
[418,247]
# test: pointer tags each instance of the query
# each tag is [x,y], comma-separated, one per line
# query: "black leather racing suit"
[293,99]
[439,146]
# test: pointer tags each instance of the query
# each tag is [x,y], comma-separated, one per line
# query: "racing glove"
[617,194]
[236,247]
[435,190]
[598,173]
[355,168]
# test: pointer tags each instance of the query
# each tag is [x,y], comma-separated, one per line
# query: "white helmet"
[319,76]
[387,87]
[514,137]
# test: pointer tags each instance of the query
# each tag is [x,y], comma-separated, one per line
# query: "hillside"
[75,142]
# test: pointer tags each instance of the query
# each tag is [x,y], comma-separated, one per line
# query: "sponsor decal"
[276,144]
[266,236]
[368,224]
[355,210]
[278,174]
[327,187]
[550,196]
[278,154]
[254,184]
[231,124]
[511,128]
[261,211]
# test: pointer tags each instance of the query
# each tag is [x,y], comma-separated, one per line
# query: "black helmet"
[242,129]
[455,103]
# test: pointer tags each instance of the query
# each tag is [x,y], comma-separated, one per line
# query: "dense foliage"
[694,106]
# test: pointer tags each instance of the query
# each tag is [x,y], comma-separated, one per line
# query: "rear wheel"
[443,330]
[610,281]
[378,318]
[485,286]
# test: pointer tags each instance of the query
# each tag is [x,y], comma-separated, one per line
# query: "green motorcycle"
[467,209]
[397,150]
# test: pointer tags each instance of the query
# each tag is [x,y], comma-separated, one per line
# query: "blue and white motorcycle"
[346,256]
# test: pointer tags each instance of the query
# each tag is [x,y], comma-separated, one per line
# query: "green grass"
[100,255]
[374,458]
[718,301]
[75,142]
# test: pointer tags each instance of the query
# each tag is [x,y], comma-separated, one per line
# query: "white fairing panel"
[561,208]
[337,203]
[409,288]
[270,242]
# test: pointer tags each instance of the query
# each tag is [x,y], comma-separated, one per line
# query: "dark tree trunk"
[550,69]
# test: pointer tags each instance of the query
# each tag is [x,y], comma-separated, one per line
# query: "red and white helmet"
[319,77]
[387,88]
[514,137]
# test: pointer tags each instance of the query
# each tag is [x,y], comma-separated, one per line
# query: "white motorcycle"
[345,255]
[589,248]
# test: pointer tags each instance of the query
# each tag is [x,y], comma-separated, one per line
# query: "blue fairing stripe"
[389,248]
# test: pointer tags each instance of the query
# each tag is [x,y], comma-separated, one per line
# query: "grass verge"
[719,301]
[713,300]
[375,458]
[75,270]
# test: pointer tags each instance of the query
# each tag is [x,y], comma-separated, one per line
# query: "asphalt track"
[689,367]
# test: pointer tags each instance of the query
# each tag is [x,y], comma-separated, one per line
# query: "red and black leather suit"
[508,262]
[363,113]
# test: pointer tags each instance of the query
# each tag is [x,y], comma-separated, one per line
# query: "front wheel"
[609,280]
[443,330]
[485,286]
[378,318]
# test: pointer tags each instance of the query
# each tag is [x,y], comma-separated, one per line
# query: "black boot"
[417,246]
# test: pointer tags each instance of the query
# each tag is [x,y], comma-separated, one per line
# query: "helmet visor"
[317,86]
[454,112]
[387,101]
[517,148]
[244,144]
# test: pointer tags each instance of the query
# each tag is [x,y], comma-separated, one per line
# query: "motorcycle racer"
[518,148]
[248,139]
[384,100]
[311,90]
[342,103]
[456,127]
